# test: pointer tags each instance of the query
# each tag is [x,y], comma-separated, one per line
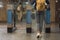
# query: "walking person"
[40,7]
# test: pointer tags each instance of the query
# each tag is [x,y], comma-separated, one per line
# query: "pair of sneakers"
[39,35]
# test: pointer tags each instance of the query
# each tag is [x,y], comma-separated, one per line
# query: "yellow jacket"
[40,5]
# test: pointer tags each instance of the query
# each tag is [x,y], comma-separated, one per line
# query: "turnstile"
[28,21]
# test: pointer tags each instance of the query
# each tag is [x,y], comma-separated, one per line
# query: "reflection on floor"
[20,34]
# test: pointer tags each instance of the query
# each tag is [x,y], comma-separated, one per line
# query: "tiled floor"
[20,34]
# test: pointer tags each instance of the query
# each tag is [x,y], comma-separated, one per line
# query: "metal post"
[28,21]
[48,29]
[28,18]
[9,18]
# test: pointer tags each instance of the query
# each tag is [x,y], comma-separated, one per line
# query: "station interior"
[18,20]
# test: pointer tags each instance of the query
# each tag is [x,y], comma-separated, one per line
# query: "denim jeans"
[40,18]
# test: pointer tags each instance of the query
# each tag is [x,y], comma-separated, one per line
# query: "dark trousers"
[40,18]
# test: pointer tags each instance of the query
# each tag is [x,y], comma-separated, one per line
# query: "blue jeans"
[40,18]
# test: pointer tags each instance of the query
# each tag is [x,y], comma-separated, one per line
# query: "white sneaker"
[39,35]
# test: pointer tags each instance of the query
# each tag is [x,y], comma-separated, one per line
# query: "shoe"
[39,35]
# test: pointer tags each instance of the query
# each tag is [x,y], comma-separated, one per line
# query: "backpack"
[40,5]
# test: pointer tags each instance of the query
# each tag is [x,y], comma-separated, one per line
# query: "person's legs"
[40,18]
